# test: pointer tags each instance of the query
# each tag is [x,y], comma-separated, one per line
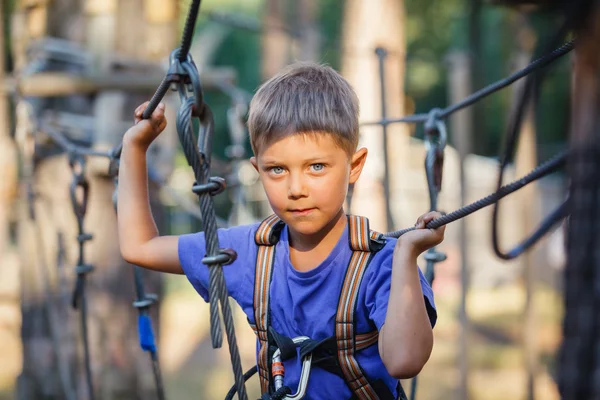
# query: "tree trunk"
[461,128]
[528,199]
[53,362]
[368,25]
[275,40]
[9,305]
[579,359]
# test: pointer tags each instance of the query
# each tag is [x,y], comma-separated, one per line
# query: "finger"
[158,113]
[420,224]
[137,114]
[140,109]
[430,216]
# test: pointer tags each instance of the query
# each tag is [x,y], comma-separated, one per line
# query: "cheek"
[275,192]
[332,190]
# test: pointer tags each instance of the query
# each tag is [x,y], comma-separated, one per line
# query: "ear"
[254,163]
[357,163]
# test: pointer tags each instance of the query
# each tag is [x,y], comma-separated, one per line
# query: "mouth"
[301,211]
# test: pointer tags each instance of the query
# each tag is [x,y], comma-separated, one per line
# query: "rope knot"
[148,300]
[215,186]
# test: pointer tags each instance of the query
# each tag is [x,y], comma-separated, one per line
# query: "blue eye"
[318,167]
[277,170]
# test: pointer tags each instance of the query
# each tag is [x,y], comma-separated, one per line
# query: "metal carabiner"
[304,375]
[191,72]
[435,128]
[77,164]
[435,142]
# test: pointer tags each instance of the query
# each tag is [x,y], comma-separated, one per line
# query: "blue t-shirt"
[305,303]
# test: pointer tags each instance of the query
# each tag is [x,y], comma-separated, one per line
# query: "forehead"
[302,146]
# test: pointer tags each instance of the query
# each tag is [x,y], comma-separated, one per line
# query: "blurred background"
[80,67]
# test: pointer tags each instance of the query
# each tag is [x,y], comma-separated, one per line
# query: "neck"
[325,238]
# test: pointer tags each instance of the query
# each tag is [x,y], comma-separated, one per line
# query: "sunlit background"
[63,61]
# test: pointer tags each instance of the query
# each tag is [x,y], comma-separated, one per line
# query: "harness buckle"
[279,372]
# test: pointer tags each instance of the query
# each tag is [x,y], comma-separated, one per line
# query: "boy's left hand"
[422,239]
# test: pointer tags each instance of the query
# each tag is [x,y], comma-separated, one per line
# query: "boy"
[303,126]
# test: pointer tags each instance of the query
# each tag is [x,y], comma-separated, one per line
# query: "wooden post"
[526,160]
[121,370]
[579,361]
[275,42]
[54,84]
[8,156]
[368,25]
[9,289]
[461,128]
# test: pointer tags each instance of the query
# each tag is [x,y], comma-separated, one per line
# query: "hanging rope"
[145,333]
[183,73]
[435,143]
[79,300]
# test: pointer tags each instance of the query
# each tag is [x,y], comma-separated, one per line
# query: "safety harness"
[335,354]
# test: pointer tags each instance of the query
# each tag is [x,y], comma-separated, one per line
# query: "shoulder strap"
[361,238]
[266,238]
[364,244]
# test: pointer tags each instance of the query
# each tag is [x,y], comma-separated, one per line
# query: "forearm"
[406,339]
[135,221]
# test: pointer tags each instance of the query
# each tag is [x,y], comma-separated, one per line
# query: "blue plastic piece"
[146,334]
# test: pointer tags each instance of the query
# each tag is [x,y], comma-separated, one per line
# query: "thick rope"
[486,91]
[79,299]
[188,30]
[542,170]
[217,287]
[185,131]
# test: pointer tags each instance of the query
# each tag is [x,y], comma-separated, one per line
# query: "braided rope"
[217,287]
[542,170]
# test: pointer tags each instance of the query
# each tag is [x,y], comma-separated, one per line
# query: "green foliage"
[7,6]
[433,29]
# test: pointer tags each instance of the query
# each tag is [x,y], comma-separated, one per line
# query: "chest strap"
[345,328]
[266,237]
[364,244]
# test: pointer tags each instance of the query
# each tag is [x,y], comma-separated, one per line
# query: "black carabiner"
[79,181]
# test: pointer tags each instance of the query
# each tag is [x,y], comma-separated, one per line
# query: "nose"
[297,186]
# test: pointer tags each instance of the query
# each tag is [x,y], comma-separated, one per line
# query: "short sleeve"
[192,248]
[378,290]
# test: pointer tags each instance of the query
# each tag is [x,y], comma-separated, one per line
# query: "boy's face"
[306,179]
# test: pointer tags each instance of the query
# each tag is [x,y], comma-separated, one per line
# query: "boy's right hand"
[145,131]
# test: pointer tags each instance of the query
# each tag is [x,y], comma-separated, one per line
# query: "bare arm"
[406,338]
[139,239]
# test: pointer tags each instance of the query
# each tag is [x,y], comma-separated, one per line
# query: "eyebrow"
[312,160]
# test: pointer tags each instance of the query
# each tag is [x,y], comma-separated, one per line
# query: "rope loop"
[83,269]
[224,257]
[193,77]
[147,300]
[216,185]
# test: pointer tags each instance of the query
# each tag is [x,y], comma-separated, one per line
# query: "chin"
[309,225]
[306,228]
